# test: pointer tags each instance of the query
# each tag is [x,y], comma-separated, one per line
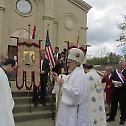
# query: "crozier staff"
[74,102]
[57,90]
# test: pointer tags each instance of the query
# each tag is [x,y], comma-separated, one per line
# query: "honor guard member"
[118,78]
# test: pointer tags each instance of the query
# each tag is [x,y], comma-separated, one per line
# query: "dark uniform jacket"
[115,76]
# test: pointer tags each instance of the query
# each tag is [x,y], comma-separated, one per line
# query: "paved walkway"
[41,122]
[50,122]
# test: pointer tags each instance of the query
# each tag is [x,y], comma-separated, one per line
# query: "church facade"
[64,19]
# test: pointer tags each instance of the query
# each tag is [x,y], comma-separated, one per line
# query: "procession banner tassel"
[32,84]
[29,101]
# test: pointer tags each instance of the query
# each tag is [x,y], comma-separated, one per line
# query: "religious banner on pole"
[28,59]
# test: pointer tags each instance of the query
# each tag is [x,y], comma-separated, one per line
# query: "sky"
[103,30]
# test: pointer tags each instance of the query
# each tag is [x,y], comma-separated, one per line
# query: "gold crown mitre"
[76,54]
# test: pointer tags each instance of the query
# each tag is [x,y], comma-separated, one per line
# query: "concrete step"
[25,97]
[26,108]
[25,100]
[25,116]
[22,100]
[21,94]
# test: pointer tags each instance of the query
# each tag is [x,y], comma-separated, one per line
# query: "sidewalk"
[41,122]
[50,122]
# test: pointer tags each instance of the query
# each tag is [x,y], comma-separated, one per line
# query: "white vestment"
[97,116]
[6,101]
[74,102]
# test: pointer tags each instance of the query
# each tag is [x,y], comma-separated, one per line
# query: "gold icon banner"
[28,59]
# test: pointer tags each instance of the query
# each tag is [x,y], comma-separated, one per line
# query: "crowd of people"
[116,91]
[100,109]
[79,90]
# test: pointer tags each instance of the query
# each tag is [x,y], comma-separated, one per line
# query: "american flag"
[49,51]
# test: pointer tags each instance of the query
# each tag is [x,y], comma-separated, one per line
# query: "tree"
[122,36]
[109,59]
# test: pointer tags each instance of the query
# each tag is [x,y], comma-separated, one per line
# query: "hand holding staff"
[60,81]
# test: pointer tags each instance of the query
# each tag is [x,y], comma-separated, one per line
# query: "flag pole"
[47,27]
[78,37]
[68,45]
[33,32]
[29,30]
[50,57]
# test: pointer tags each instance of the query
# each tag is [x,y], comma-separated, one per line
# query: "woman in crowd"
[108,88]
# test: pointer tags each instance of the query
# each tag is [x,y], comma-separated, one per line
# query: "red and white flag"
[49,51]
